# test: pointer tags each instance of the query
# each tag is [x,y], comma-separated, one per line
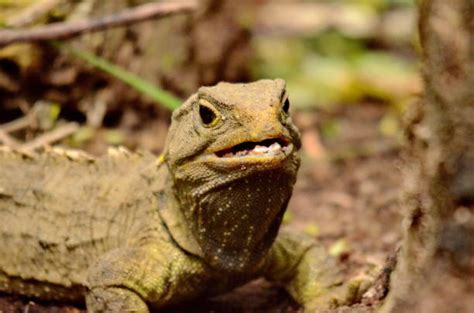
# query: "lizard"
[134,233]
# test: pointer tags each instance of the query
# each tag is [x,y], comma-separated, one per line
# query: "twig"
[9,141]
[65,30]
[17,124]
[50,137]
[13,144]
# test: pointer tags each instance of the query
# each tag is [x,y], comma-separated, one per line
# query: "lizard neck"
[173,217]
[234,220]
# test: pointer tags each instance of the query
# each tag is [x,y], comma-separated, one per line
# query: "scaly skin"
[135,234]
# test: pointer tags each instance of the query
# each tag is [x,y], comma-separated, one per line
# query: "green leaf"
[114,137]
[83,135]
[389,125]
[312,229]
[339,247]
[287,217]
[146,88]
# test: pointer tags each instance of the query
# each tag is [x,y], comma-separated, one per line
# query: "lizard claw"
[345,294]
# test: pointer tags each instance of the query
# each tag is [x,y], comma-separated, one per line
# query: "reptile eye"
[286,106]
[208,116]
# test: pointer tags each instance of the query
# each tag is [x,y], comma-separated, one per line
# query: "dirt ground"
[347,196]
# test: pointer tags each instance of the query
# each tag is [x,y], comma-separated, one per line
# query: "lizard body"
[134,234]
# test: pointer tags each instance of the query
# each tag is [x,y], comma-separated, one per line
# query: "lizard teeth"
[273,149]
[260,150]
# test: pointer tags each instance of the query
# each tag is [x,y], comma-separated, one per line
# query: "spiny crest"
[118,152]
[71,154]
[67,154]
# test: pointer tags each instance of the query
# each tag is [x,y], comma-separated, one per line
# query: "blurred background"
[333,54]
[351,71]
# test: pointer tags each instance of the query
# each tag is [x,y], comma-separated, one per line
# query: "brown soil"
[347,192]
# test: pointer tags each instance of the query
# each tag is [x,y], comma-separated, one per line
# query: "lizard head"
[232,151]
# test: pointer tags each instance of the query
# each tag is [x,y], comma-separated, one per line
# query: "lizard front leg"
[115,299]
[137,279]
[310,275]
[121,280]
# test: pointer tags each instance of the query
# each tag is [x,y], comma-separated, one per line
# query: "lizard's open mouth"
[266,148]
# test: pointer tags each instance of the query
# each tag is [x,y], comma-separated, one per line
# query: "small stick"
[13,144]
[17,124]
[63,30]
[9,141]
[50,137]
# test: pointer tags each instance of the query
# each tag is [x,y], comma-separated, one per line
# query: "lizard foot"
[114,299]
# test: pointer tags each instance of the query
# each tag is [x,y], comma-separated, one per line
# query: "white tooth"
[274,147]
[260,149]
